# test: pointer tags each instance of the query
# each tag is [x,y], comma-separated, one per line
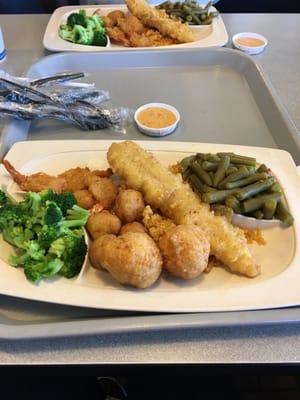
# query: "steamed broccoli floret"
[31,251]
[47,235]
[77,18]
[95,23]
[37,270]
[3,198]
[10,214]
[100,39]
[71,249]
[82,35]
[65,201]
[66,32]
[17,236]
[75,217]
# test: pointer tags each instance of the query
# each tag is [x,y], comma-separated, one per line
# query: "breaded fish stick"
[167,192]
[160,20]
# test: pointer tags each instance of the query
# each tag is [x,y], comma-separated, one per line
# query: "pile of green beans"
[189,11]
[237,182]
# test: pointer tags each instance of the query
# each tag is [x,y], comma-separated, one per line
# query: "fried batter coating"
[96,247]
[104,191]
[129,205]
[132,258]
[185,250]
[36,182]
[160,20]
[102,223]
[156,224]
[166,191]
[117,35]
[133,227]
[84,199]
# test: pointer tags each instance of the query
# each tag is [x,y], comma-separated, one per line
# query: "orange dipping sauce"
[249,41]
[156,117]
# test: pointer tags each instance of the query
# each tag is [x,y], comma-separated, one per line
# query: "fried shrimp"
[36,182]
[166,191]
[160,20]
[102,223]
[185,250]
[132,258]
[104,191]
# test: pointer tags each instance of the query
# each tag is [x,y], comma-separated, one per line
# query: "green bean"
[203,175]
[237,159]
[211,157]
[209,166]
[235,176]
[207,188]
[246,181]
[258,202]
[262,168]
[258,214]
[254,188]
[197,185]
[283,214]
[276,188]
[221,171]
[218,196]
[269,208]
[232,202]
[230,170]
[212,175]
[185,162]
[189,18]
[186,173]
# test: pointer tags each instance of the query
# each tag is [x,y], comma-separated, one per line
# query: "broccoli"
[71,249]
[10,214]
[100,39]
[66,32]
[82,35]
[75,217]
[17,236]
[77,19]
[37,270]
[31,251]
[65,200]
[47,235]
[3,198]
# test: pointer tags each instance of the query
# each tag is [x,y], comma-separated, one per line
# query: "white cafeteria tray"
[205,35]
[252,115]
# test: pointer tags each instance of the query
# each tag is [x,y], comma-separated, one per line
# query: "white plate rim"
[262,295]
[53,42]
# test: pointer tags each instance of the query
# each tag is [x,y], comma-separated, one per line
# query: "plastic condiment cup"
[158,132]
[249,49]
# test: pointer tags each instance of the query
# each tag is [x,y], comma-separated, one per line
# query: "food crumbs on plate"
[255,236]
[156,117]
[250,41]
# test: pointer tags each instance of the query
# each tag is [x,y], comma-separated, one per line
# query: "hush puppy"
[133,258]
[133,227]
[84,198]
[185,250]
[129,205]
[104,191]
[102,223]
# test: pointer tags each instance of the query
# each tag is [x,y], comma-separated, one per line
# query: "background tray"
[221,94]
[224,98]
[205,35]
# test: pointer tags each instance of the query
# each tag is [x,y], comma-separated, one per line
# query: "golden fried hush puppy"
[133,227]
[129,205]
[185,250]
[133,258]
[104,191]
[96,248]
[84,198]
[102,223]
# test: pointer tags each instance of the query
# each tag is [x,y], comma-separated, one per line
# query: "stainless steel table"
[274,344]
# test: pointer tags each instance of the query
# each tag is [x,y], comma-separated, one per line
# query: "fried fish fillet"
[160,20]
[167,192]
